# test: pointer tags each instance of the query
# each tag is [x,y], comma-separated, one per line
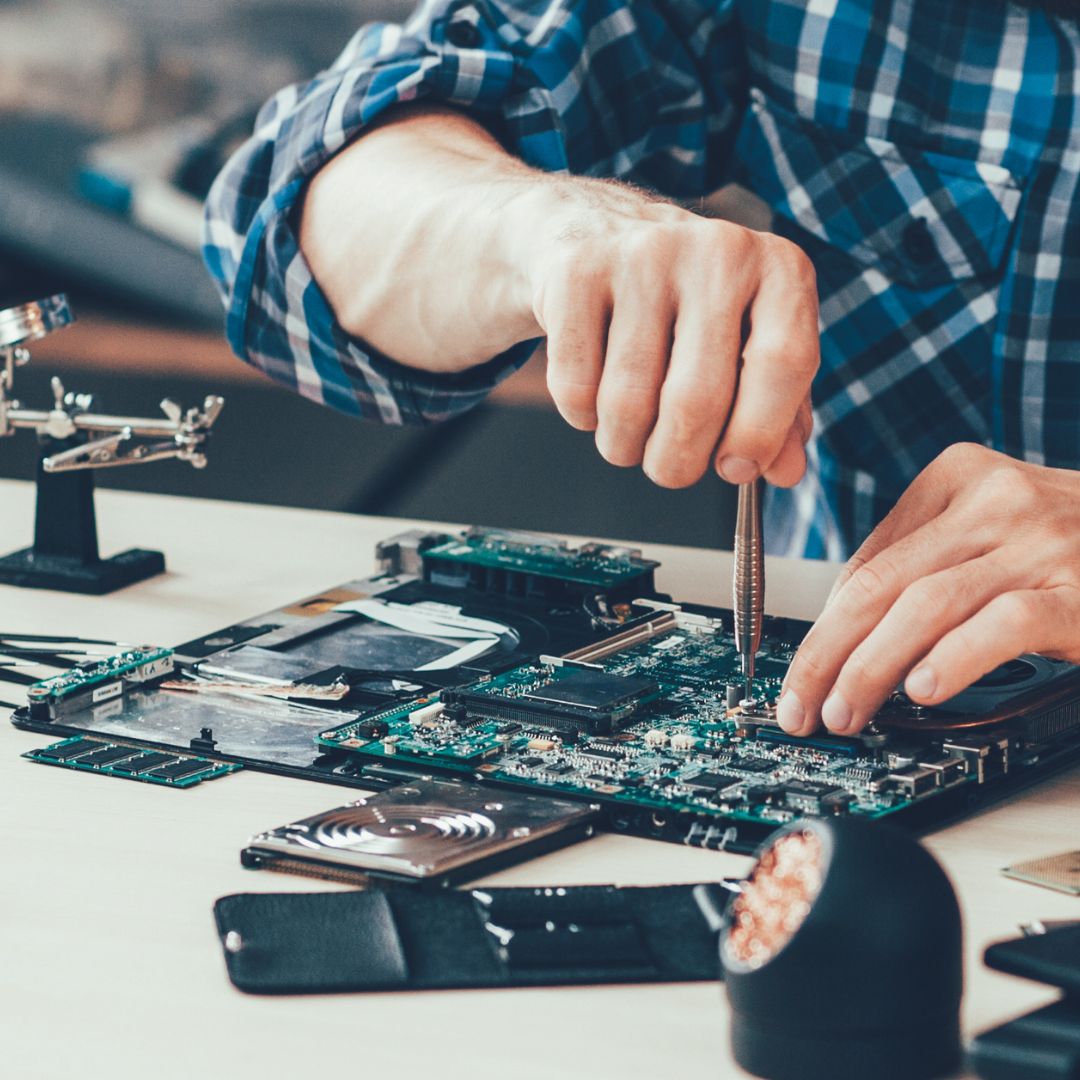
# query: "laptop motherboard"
[519,662]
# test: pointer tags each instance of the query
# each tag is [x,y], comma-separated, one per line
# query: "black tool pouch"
[407,939]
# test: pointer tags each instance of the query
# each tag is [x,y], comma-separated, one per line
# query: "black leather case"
[1042,1045]
[407,939]
[1053,957]
[1045,1044]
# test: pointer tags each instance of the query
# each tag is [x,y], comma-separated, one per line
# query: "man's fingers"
[923,614]
[576,340]
[779,361]
[790,464]
[804,421]
[860,605]
[638,347]
[1027,620]
[696,395]
[925,498]
[645,337]
[917,505]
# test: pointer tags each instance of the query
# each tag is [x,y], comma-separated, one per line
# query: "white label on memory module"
[104,693]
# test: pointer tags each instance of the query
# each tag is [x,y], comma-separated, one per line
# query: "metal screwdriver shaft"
[748,580]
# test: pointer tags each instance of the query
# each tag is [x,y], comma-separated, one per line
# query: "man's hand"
[680,341]
[978,562]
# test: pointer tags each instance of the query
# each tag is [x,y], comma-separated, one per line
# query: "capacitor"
[733,693]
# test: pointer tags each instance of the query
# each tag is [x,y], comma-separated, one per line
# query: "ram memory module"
[131,762]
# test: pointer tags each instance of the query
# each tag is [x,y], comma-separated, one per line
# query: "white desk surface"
[110,965]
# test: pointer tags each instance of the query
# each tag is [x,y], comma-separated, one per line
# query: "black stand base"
[33,570]
[65,552]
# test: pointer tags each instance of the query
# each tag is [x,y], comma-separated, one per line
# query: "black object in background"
[407,939]
[1053,957]
[866,979]
[1044,1044]
[64,555]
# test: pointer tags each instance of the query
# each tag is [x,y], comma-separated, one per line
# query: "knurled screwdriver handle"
[748,586]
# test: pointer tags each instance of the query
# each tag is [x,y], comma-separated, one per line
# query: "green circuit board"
[127,762]
[653,725]
[598,566]
[98,681]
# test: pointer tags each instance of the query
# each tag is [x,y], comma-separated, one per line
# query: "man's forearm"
[680,341]
[419,234]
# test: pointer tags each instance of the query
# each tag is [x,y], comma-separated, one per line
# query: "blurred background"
[114,118]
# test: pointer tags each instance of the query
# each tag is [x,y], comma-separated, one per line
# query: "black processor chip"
[180,769]
[711,780]
[602,754]
[108,754]
[72,750]
[596,690]
[752,764]
[143,763]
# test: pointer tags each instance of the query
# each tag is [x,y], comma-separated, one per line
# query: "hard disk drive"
[432,831]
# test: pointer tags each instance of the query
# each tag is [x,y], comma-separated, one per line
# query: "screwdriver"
[748,583]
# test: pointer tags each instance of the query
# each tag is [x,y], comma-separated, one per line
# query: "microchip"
[601,753]
[589,689]
[143,763]
[72,750]
[1059,872]
[108,754]
[717,753]
[179,769]
[559,770]
[809,796]
[809,787]
[711,780]
[865,774]
[531,761]
[752,764]
[760,794]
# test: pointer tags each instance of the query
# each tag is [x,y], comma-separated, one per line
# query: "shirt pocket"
[922,218]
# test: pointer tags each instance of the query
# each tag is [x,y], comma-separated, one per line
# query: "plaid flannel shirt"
[925,153]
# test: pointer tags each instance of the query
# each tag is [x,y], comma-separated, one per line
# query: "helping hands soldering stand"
[75,440]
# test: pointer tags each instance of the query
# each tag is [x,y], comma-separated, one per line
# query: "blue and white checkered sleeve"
[644,92]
